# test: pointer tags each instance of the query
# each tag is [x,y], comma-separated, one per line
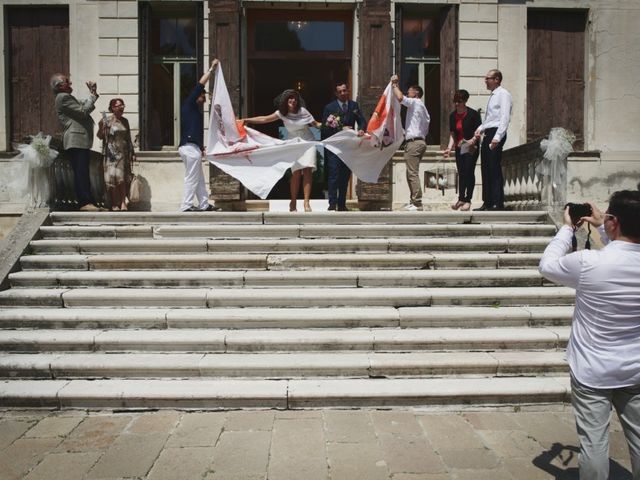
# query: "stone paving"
[368,444]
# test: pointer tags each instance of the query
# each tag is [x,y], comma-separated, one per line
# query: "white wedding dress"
[297,125]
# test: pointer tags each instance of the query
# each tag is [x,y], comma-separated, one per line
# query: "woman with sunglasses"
[115,133]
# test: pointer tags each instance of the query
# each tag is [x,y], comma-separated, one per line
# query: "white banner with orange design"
[366,156]
[258,161]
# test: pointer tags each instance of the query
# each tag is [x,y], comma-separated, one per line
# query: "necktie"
[344,108]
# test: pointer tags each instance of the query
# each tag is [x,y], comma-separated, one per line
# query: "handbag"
[135,189]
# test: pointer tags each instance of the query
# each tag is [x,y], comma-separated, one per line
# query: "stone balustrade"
[524,189]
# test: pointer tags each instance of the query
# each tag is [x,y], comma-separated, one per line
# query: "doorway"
[171,56]
[303,50]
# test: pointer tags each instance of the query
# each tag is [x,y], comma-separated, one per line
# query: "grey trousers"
[593,414]
[413,152]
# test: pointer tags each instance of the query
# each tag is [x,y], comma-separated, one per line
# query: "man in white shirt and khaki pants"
[494,127]
[415,133]
[604,346]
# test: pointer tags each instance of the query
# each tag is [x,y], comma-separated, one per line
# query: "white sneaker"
[410,207]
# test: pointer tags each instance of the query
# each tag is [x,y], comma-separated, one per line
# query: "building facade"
[569,63]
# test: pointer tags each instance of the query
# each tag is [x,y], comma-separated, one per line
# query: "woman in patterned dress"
[118,154]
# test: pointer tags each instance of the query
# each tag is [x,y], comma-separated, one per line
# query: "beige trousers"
[413,152]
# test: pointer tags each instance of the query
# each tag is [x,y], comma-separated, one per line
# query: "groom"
[339,114]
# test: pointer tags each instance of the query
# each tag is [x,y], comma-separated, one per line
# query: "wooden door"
[38,47]
[555,72]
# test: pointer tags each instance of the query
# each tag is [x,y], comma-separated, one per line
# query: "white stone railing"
[524,189]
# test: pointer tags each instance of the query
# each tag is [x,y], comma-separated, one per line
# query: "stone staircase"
[280,310]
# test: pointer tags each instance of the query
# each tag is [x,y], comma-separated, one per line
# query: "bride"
[297,120]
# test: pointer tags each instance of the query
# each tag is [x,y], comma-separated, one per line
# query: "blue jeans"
[79,158]
[337,179]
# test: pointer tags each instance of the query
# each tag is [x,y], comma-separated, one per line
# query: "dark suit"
[337,172]
[491,168]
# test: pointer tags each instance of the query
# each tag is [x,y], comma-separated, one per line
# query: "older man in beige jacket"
[75,117]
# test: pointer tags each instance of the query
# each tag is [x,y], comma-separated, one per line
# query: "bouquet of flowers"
[334,121]
[553,166]
[33,178]
[38,153]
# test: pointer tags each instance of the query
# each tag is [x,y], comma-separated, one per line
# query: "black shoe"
[342,208]
[496,208]
[332,207]
[211,208]
[191,209]
[481,209]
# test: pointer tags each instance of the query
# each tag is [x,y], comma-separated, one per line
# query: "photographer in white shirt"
[604,347]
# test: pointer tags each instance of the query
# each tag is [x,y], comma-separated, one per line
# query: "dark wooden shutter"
[555,72]
[144,12]
[375,38]
[224,44]
[38,47]
[448,67]
[375,71]
[397,68]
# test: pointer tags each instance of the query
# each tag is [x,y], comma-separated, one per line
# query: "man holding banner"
[417,127]
[191,147]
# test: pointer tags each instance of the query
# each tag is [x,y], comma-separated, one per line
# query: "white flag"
[257,160]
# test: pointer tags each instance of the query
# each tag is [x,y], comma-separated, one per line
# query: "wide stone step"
[284,279]
[281,297]
[357,231]
[293,261]
[345,246]
[96,231]
[284,365]
[257,340]
[219,231]
[285,318]
[209,394]
[287,218]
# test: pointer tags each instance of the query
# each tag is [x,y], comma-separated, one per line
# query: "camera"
[578,210]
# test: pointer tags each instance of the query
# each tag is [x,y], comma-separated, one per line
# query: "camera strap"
[574,240]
